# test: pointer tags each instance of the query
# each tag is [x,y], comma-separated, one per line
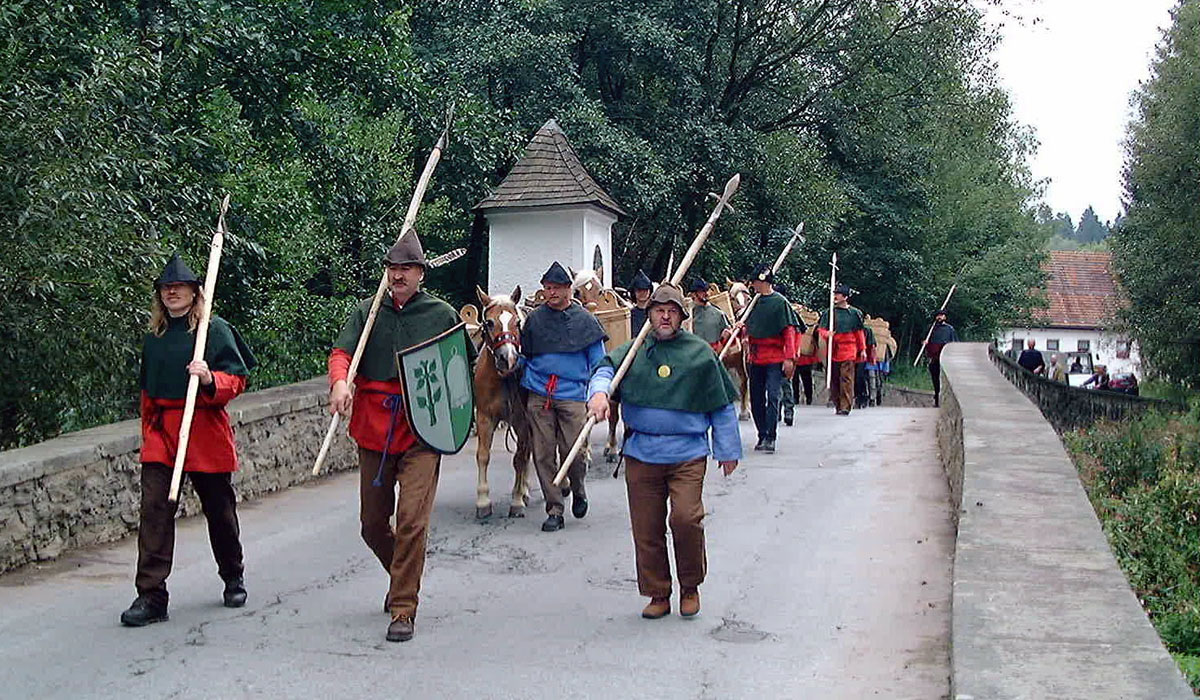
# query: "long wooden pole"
[730,188]
[193,387]
[953,286]
[410,218]
[829,341]
[933,325]
[798,235]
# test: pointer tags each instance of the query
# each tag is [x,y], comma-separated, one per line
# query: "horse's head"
[501,321]
[739,296]
[588,285]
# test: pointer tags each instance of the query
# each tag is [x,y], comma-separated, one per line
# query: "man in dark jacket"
[941,334]
[1031,359]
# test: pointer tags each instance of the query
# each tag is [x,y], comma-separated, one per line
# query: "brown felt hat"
[668,293]
[407,250]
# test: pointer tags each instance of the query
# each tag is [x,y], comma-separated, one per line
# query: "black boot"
[143,612]
[235,593]
[769,446]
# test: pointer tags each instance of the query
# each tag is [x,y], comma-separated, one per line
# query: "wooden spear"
[953,286]
[730,188]
[797,235]
[193,387]
[829,341]
[414,205]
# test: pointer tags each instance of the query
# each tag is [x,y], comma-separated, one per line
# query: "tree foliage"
[1156,246]
[878,123]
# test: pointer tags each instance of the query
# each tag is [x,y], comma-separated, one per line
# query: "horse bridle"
[495,342]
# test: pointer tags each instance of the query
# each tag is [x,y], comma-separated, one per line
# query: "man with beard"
[562,344]
[675,393]
[390,458]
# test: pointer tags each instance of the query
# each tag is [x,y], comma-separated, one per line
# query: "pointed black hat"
[407,250]
[843,289]
[699,285]
[176,271]
[641,281]
[556,275]
[763,273]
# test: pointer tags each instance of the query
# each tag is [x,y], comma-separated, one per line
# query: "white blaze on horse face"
[506,318]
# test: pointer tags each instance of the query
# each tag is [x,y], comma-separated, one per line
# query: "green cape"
[845,320]
[165,358]
[422,318]
[771,315]
[696,382]
[708,321]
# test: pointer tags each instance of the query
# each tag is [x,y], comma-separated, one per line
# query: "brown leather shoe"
[689,602]
[656,608]
[401,629]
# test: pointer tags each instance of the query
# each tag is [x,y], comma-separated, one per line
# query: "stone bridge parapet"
[1040,607]
[83,488]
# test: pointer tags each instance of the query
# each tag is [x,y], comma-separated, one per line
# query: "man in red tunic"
[390,458]
[211,457]
[849,347]
[772,329]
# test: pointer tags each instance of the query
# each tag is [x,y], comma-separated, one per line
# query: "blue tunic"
[663,436]
[573,370]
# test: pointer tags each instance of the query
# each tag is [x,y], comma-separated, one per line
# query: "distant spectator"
[1099,379]
[1031,359]
[1076,366]
[1058,369]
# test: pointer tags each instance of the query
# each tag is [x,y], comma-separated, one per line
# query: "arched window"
[598,263]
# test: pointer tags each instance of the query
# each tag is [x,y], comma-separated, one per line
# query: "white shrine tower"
[548,208]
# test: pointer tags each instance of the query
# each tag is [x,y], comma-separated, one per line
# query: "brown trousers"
[649,487]
[400,551]
[156,527]
[554,430]
[841,388]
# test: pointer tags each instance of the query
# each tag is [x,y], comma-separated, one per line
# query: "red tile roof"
[1081,289]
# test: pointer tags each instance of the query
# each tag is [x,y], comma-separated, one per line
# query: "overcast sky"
[1070,75]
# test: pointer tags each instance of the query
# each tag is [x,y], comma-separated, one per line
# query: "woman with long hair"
[211,457]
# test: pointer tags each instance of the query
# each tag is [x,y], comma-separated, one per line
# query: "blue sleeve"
[601,381]
[726,436]
[595,353]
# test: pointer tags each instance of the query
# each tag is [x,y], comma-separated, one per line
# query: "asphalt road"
[829,577]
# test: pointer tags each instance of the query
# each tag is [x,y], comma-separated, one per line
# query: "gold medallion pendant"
[664,371]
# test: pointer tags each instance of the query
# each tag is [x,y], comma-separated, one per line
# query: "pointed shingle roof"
[549,174]
[1081,289]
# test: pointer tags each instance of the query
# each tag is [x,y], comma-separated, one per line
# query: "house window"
[1052,344]
[1016,345]
[1123,349]
[1085,346]
[598,263]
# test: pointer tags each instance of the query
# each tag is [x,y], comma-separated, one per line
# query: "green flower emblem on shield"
[438,389]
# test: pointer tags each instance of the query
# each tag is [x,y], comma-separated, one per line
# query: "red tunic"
[370,418]
[775,349]
[847,347]
[210,447]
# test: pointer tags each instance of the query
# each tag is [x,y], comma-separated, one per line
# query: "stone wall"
[83,488]
[1040,607]
[1070,407]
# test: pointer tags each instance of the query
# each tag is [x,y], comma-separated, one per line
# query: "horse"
[735,359]
[499,398]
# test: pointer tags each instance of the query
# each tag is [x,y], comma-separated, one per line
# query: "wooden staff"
[730,188]
[929,335]
[414,205]
[829,341]
[741,321]
[193,387]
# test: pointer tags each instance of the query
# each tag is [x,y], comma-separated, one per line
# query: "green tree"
[1155,247]
[1091,228]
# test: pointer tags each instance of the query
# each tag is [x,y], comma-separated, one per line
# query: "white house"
[1079,321]
[548,208]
